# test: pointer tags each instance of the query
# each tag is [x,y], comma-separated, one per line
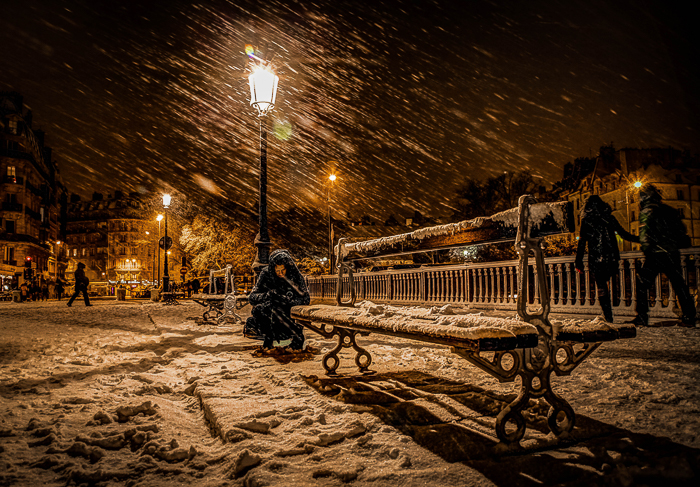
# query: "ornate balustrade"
[494,285]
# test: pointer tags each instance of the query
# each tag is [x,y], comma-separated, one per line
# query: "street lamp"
[159,218]
[331,180]
[166,277]
[263,92]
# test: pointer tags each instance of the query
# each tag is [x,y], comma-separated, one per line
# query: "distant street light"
[263,92]
[166,277]
[331,180]
[637,184]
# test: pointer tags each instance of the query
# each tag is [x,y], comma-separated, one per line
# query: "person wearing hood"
[280,286]
[662,234]
[81,285]
[598,230]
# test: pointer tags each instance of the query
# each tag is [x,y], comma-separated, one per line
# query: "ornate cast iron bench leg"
[346,339]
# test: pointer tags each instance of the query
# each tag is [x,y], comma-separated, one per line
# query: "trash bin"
[121,294]
[16,296]
[155,295]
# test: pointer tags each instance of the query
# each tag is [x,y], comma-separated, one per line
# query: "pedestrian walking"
[81,285]
[24,291]
[280,286]
[598,231]
[662,234]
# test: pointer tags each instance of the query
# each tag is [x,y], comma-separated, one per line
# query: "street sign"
[165,244]
[183,270]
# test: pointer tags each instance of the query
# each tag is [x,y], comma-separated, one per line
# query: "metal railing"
[493,285]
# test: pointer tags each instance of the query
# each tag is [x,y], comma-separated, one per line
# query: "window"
[633,216]
[75,252]
[13,127]
[12,171]
[681,212]
[679,194]
[10,226]
[122,251]
[83,252]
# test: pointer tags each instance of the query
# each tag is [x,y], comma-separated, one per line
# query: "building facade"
[33,197]
[117,239]
[618,174]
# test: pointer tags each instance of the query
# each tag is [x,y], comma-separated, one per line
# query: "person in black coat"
[279,287]
[662,234]
[598,230]
[81,285]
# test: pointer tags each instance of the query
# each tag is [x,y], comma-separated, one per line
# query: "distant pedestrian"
[598,230]
[24,291]
[44,291]
[195,285]
[662,234]
[81,285]
[59,289]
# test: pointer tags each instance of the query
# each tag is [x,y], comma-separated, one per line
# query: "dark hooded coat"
[272,299]
[660,226]
[598,229]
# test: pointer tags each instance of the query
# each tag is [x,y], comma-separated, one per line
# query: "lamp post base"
[262,258]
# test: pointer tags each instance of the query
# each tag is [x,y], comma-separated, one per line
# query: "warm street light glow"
[159,218]
[263,92]
[58,242]
[148,233]
[638,184]
[166,200]
[332,177]
[263,88]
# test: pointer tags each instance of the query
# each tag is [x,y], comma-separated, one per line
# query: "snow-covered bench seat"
[537,347]
[468,331]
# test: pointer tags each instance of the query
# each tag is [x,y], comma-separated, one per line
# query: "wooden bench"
[531,348]
[220,307]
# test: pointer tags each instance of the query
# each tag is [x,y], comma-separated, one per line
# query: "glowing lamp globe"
[166,200]
[263,89]
[638,184]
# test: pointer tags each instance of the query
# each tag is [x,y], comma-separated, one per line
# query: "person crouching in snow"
[279,287]
[598,229]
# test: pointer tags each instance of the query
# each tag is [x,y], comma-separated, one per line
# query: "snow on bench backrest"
[229,284]
[545,219]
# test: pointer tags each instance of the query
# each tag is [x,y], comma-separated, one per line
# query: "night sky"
[402,99]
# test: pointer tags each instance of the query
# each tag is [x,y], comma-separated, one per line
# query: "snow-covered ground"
[135,393]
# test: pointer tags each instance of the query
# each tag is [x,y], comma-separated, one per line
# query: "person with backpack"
[662,233]
[598,229]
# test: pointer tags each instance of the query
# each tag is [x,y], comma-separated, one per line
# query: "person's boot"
[606,305]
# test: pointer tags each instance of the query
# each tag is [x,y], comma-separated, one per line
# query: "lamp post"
[263,92]
[166,277]
[331,180]
[159,218]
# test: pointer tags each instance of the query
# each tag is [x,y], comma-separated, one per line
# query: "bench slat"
[421,329]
